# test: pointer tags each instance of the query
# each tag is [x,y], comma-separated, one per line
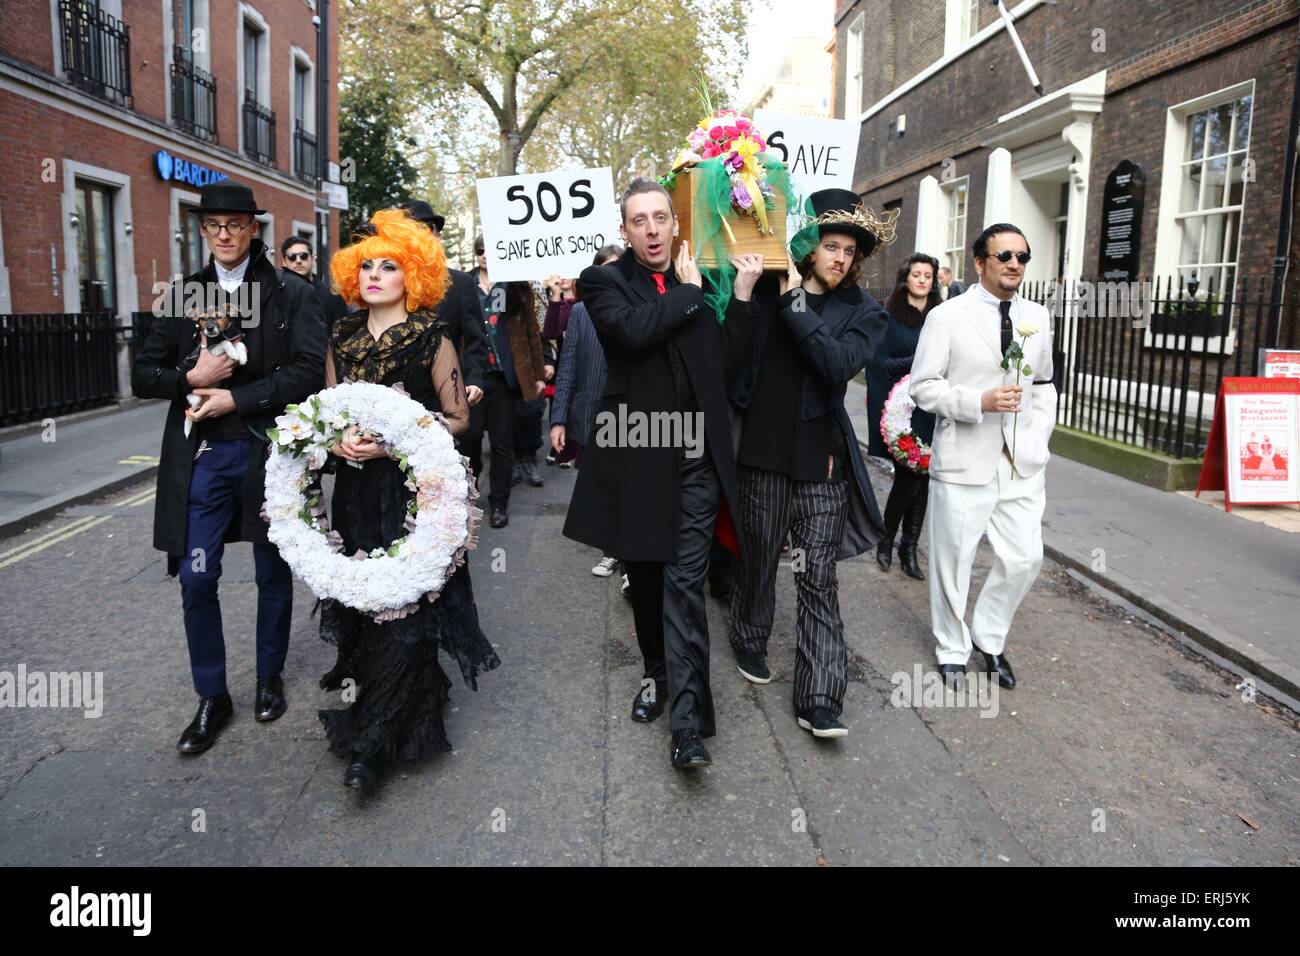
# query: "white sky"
[772,23]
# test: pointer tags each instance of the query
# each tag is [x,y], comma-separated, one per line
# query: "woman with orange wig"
[396,273]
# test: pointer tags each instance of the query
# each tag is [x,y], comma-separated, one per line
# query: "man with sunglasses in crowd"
[989,455]
[298,258]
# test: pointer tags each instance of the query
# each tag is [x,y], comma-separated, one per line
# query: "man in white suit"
[978,487]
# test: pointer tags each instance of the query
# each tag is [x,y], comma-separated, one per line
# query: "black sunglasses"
[297,256]
[1006,254]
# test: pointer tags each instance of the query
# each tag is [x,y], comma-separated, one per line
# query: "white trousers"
[1010,511]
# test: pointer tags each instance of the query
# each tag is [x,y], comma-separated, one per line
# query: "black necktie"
[1005,309]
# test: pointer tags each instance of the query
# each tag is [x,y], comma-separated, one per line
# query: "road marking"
[28,548]
[49,534]
[139,460]
[137,499]
[41,547]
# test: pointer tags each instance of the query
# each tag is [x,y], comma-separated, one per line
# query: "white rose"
[1027,328]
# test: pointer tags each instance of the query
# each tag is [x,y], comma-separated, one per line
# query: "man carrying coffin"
[653,504]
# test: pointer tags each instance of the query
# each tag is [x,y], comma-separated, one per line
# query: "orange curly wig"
[408,243]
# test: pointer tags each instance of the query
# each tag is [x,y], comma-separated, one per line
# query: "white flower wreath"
[442,523]
[896,429]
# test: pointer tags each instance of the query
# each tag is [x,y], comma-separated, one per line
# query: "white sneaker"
[605,567]
[626,590]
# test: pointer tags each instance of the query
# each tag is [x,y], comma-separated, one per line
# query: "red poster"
[1253,442]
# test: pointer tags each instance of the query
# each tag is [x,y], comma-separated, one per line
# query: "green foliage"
[372,141]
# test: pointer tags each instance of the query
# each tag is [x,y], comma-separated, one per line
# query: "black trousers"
[672,625]
[813,513]
[907,499]
[528,427]
[495,413]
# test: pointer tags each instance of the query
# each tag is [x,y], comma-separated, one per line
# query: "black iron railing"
[194,96]
[304,153]
[53,363]
[1141,363]
[259,130]
[96,50]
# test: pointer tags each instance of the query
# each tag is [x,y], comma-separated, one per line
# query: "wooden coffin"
[745,228]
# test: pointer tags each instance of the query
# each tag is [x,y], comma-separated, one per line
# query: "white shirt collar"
[993,300]
[231,278]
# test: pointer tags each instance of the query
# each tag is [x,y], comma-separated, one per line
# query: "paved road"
[1112,724]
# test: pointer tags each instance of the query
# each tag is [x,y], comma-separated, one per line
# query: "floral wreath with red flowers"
[896,429]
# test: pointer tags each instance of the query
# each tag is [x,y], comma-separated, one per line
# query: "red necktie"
[659,282]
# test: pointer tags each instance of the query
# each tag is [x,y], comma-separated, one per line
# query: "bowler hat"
[227,196]
[421,211]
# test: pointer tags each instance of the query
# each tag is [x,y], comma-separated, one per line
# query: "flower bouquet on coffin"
[730,195]
[1015,357]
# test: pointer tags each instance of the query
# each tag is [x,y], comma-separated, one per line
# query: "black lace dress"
[400,686]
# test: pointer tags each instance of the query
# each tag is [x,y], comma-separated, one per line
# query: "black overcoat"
[834,346]
[626,501]
[286,354]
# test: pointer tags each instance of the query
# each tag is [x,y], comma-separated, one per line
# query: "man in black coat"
[660,456]
[459,309]
[297,257]
[211,481]
[801,473]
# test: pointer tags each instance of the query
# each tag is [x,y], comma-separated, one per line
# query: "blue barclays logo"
[174,168]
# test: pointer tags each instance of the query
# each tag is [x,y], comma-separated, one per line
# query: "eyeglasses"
[1006,254]
[213,228]
[297,256]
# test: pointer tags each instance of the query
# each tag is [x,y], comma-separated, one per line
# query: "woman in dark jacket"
[515,375]
[914,295]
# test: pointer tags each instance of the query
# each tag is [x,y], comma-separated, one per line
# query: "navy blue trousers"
[215,486]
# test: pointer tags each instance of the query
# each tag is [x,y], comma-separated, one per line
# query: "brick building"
[114,113]
[1198,94]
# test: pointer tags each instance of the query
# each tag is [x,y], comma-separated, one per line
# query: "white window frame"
[954,255]
[266,232]
[6,300]
[202,59]
[177,197]
[123,236]
[1168,223]
[248,14]
[299,57]
[854,67]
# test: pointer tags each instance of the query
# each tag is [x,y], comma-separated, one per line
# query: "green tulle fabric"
[713,202]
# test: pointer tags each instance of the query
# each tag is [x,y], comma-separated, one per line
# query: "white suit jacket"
[959,357]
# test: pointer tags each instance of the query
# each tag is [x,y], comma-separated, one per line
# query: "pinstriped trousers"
[813,512]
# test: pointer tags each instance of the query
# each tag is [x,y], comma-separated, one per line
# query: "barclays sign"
[171,167]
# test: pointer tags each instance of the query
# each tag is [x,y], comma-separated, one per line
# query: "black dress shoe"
[212,715]
[532,475]
[688,750]
[953,675]
[269,702]
[907,560]
[998,665]
[648,704]
[498,518]
[362,773]
[885,554]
